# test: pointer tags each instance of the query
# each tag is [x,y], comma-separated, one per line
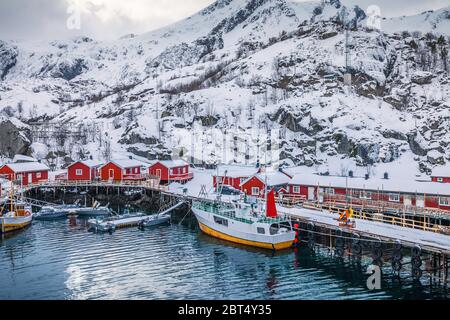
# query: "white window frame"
[394,199]
[440,179]
[79,172]
[255,193]
[330,191]
[296,189]
[445,203]
[38,175]
[365,195]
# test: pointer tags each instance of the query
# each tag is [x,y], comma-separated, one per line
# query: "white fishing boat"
[245,223]
[14,215]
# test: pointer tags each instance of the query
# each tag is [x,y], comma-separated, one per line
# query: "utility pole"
[347,74]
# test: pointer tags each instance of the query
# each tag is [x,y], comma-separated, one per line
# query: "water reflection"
[61,260]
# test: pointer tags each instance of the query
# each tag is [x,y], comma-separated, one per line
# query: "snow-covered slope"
[235,66]
[430,21]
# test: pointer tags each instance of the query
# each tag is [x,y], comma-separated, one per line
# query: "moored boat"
[18,217]
[113,223]
[95,210]
[50,213]
[245,223]
[154,220]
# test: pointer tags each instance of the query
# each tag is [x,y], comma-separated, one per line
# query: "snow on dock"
[386,232]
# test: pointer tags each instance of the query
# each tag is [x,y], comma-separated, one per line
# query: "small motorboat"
[51,213]
[111,224]
[153,220]
[95,210]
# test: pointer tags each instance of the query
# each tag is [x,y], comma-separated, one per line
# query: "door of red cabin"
[158,173]
[111,174]
[30,178]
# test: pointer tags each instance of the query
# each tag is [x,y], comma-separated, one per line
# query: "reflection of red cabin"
[171,170]
[122,170]
[441,174]
[255,185]
[25,172]
[83,170]
[233,175]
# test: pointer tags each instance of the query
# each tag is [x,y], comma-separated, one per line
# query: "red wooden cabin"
[389,193]
[255,185]
[83,170]
[25,173]
[171,171]
[441,174]
[122,170]
[233,175]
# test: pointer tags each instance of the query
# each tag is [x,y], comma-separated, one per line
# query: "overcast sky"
[110,19]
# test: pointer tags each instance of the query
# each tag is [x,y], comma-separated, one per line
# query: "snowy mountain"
[235,66]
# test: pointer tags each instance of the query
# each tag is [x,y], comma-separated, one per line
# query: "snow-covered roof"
[392,185]
[172,163]
[89,163]
[442,171]
[275,178]
[23,158]
[27,167]
[127,163]
[236,171]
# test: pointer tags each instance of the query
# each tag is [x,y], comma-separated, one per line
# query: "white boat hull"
[242,232]
[8,224]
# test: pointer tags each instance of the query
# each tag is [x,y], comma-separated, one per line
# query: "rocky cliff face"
[235,66]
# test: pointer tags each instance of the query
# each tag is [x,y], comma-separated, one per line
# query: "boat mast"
[11,194]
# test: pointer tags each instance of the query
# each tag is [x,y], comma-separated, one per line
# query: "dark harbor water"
[61,260]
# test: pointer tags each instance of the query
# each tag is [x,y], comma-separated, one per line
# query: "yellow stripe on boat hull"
[14,226]
[223,236]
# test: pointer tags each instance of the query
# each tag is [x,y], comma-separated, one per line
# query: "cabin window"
[366,195]
[38,175]
[242,180]
[221,221]
[171,171]
[296,189]
[255,191]
[79,172]
[261,230]
[356,193]
[444,201]
[329,191]
[440,180]
[394,197]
